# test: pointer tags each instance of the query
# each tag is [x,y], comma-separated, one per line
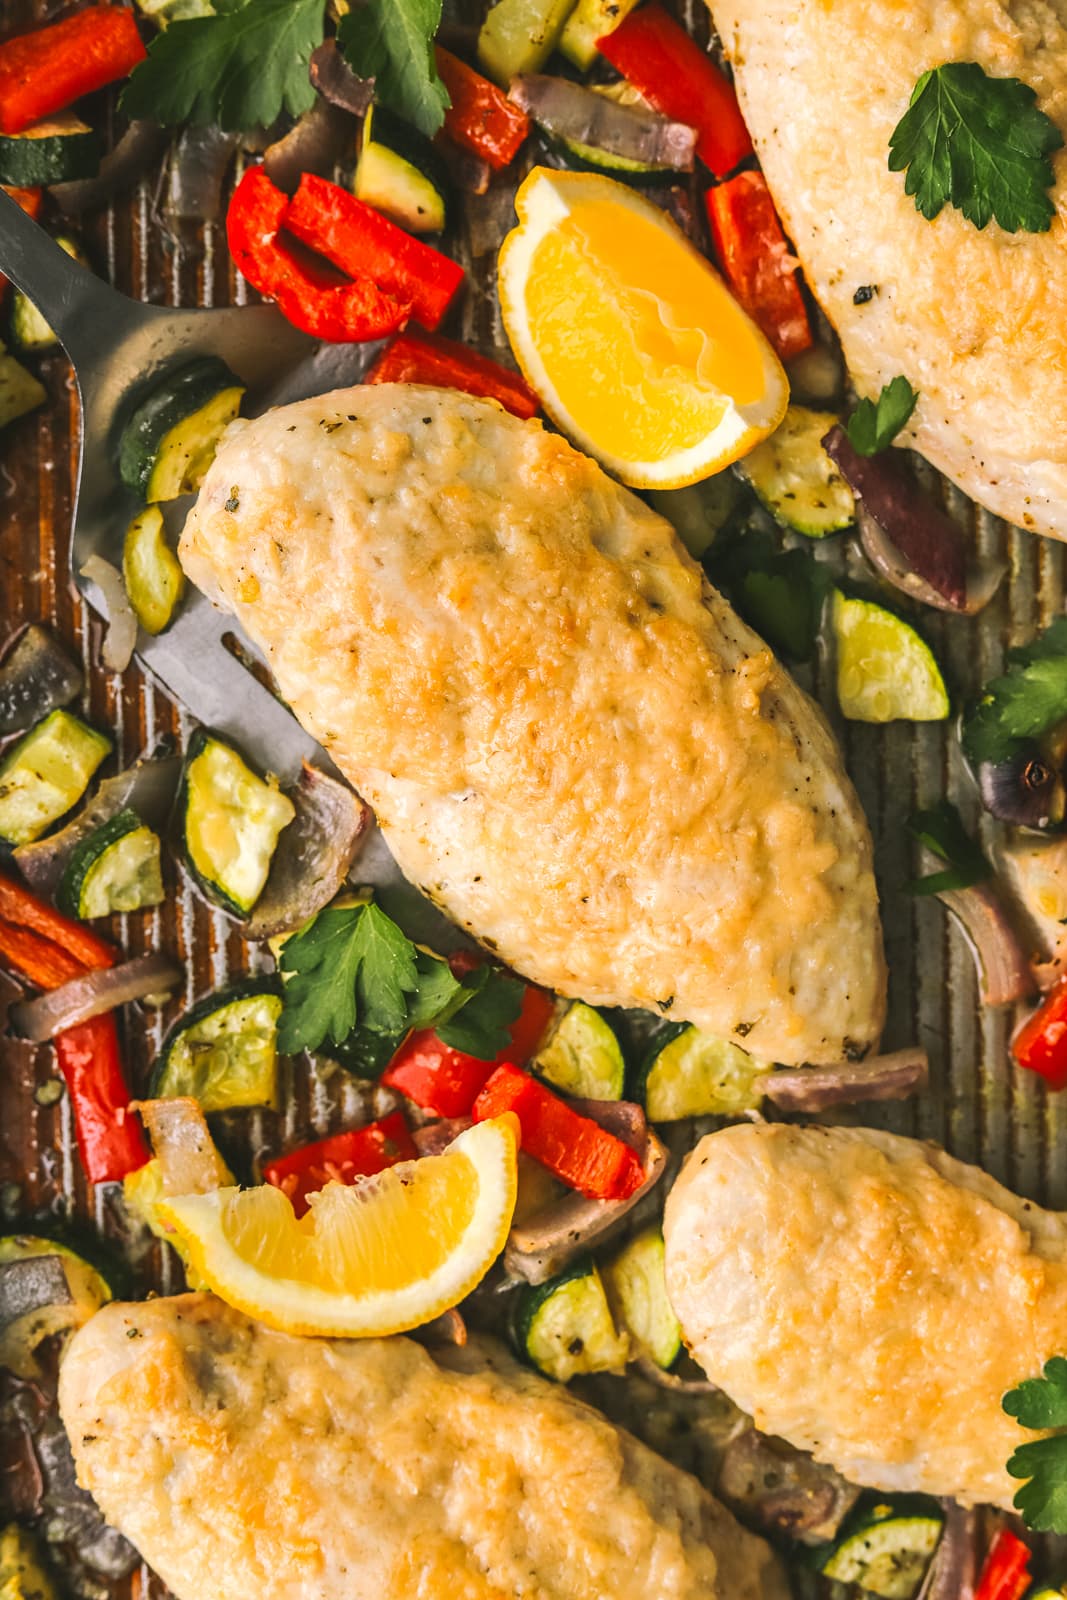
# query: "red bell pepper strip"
[37,959]
[363,243]
[43,71]
[311,296]
[1006,1574]
[757,262]
[444,364]
[481,118]
[1041,1043]
[573,1148]
[677,78]
[446,1081]
[109,1135]
[19,905]
[343,1157]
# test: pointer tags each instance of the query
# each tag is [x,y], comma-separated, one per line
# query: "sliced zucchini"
[165,12]
[55,151]
[170,440]
[689,1073]
[520,35]
[223,1052]
[230,819]
[1046,1591]
[399,172]
[20,391]
[29,330]
[151,572]
[46,773]
[564,1326]
[589,158]
[886,1546]
[22,1573]
[589,21]
[116,868]
[24,1320]
[583,1056]
[885,671]
[699,511]
[636,1287]
[796,479]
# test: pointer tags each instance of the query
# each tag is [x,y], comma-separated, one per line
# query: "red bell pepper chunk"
[342,1158]
[311,296]
[677,78]
[446,1081]
[573,1148]
[757,262]
[37,959]
[444,364]
[109,1135]
[363,243]
[481,118]
[1006,1574]
[43,71]
[1041,1043]
[19,905]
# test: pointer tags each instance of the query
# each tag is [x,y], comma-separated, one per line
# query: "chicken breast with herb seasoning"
[570,741]
[868,1298]
[976,320]
[244,1462]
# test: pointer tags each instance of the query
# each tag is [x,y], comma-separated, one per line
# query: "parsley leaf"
[1041,1403]
[1030,698]
[347,964]
[875,423]
[977,143]
[779,593]
[941,830]
[482,1025]
[240,68]
[391,41]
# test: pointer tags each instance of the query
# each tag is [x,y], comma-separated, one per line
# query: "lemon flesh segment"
[885,672]
[380,1256]
[633,342]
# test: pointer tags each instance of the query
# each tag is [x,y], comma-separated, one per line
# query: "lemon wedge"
[635,345]
[386,1254]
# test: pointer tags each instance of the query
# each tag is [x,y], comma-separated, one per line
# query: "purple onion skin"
[926,536]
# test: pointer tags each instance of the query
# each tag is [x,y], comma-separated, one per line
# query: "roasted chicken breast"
[977,321]
[243,1462]
[868,1298]
[571,742]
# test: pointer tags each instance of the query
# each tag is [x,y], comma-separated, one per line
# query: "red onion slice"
[183,1146]
[953,1573]
[121,635]
[983,579]
[314,854]
[314,144]
[331,75]
[1004,972]
[671,1380]
[848,1083]
[568,111]
[93,994]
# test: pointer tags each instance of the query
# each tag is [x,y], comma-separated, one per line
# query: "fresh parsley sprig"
[1041,1403]
[1028,700]
[875,423]
[941,830]
[391,41]
[351,970]
[980,144]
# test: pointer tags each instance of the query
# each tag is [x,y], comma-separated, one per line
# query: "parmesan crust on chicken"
[976,320]
[571,742]
[868,1298]
[243,1462]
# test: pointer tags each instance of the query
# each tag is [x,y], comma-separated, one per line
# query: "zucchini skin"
[250,988]
[92,850]
[172,400]
[57,158]
[200,741]
[404,147]
[91,748]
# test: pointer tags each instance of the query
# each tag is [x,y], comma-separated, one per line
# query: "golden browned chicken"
[570,741]
[868,1298]
[244,1463]
[977,321]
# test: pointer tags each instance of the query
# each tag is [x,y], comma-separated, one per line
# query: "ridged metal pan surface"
[976,1105]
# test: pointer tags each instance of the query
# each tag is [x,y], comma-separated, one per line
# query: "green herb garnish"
[1041,1403]
[980,144]
[941,830]
[875,423]
[391,41]
[351,972]
[780,593]
[1028,700]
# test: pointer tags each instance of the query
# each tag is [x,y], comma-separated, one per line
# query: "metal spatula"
[116,345]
